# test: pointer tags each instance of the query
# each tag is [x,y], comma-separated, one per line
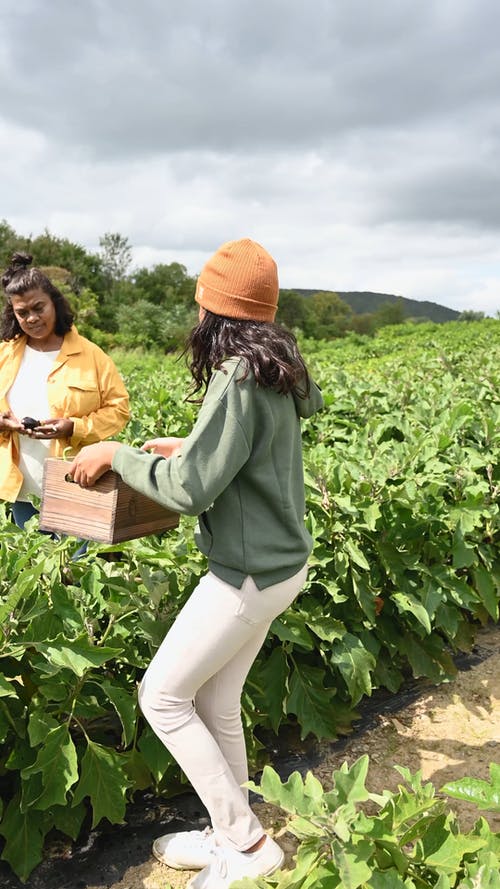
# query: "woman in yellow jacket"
[57,389]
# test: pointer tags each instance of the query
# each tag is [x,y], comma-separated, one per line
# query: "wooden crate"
[109,512]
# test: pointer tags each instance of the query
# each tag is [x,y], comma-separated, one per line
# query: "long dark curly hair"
[19,279]
[269,351]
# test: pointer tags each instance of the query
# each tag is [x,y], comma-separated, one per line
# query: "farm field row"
[402,496]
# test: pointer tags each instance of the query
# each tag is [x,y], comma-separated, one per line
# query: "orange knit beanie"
[240,281]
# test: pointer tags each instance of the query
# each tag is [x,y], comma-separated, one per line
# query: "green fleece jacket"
[239,471]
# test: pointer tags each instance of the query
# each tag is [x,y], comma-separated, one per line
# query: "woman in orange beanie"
[240,471]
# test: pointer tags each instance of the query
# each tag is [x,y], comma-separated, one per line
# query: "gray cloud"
[125,78]
[359,139]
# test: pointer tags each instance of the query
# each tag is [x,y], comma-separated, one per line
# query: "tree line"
[117,305]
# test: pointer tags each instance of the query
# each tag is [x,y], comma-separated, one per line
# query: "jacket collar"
[71,344]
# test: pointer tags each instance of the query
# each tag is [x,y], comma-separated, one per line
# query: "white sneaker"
[228,865]
[187,850]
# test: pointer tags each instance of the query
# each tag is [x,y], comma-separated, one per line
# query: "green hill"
[366,301]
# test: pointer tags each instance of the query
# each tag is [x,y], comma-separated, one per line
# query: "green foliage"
[401,840]
[116,256]
[331,315]
[327,315]
[367,302]
[144,324]
[402,495]
[75,639]
[485,795]
[165,285]
[295,312]
[402,503]
[470,315]
[137,324]
[364,323]
[147,308]
[81,269]
[107,293]
[389,313]
[9,243]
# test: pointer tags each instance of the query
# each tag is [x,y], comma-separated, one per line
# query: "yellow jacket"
[83,385]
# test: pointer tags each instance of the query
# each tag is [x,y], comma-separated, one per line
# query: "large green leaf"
[104,781]
[356,555]
[311,702]
[23,584]
[372,514]
[364,594]
[463,555]
[39,725]
[24,834]
[389,879]
[355,664]
[324,625]
[7,690]
[410,804]
[78,655]
[125,704]
[485,795]
[156,755]
[486,588]
[407,603]
[350,783]
[443,850]
[483,873]
[69,819]
[57,763]
[295,795]
[427,659]
[290,627]
[352,862]
[273,675]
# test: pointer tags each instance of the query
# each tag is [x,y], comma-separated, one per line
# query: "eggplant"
[30,423]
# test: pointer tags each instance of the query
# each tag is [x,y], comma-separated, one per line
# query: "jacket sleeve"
[113,413]
[190,481]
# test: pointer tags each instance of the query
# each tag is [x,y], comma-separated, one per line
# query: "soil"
[449,731]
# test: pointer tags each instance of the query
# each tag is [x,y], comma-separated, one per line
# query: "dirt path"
[451,731]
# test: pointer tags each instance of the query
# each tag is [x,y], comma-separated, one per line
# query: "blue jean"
[23,511]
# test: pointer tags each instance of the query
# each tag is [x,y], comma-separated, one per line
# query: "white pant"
[190,694]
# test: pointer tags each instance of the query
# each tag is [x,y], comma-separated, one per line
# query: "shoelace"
[199,840]
[208,831]
[219,863]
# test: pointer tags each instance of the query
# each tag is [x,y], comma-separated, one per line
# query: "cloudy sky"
[359,142]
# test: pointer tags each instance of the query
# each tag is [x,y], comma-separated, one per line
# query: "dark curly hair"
[19,279]
[269,351]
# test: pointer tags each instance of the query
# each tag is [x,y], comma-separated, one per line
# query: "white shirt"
[28,397]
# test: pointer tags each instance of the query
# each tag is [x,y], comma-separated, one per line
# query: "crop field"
[403,483]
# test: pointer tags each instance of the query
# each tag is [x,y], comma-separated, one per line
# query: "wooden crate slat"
[109,512]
